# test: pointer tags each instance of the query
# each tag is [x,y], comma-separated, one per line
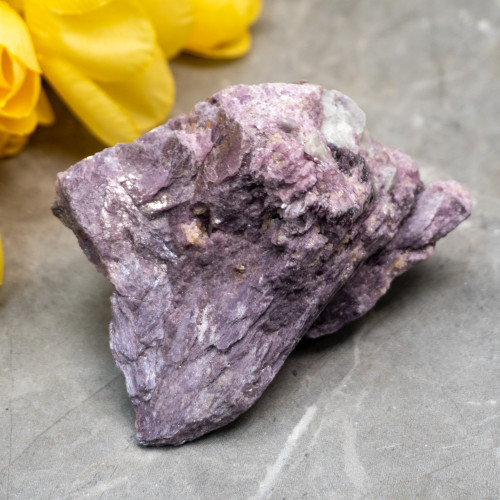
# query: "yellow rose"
[22,104]
[102,57]
[220,28]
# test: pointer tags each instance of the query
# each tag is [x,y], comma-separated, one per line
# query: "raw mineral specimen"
[266,214]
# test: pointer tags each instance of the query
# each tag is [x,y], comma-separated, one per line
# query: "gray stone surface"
[403,403]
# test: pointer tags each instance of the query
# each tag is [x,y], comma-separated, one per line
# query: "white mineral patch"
[314,146]
[343,120]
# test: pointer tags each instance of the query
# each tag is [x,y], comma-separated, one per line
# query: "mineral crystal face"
[266,214]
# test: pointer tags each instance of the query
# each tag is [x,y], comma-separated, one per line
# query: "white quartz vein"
[274,470]
[352,464]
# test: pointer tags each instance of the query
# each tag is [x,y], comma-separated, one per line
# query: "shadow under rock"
[402,289]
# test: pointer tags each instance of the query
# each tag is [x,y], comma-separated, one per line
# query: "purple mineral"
[266,215]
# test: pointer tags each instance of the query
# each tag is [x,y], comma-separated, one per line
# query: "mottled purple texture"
[265,215]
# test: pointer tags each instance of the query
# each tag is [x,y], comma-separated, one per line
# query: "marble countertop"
[404,403]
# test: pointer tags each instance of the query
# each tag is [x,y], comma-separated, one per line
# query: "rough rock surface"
[229,231]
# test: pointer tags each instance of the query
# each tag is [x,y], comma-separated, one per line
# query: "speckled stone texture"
[266,214]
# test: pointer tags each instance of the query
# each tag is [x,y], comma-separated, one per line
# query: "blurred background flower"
[220,27]
[22,104]
[102,58]
[107,59]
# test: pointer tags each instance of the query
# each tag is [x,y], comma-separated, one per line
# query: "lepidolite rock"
[265,215]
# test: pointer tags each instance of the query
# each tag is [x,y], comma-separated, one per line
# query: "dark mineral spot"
[264,216]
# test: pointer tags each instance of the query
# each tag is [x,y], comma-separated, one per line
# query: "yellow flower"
[220,28]
[22,104]
[173,22]
[103,59]
[106,58]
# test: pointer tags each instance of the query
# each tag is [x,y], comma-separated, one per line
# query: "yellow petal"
[44,111]
[254,8]
[94,107]
[1,260]
[115,112]
[230,50]
[219,23]
[172,20]
[16,4]
[23,101]
[18,126]
[11,145]
[148,96]
[109,43]
[15,37]
[74,6]
[7,74]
